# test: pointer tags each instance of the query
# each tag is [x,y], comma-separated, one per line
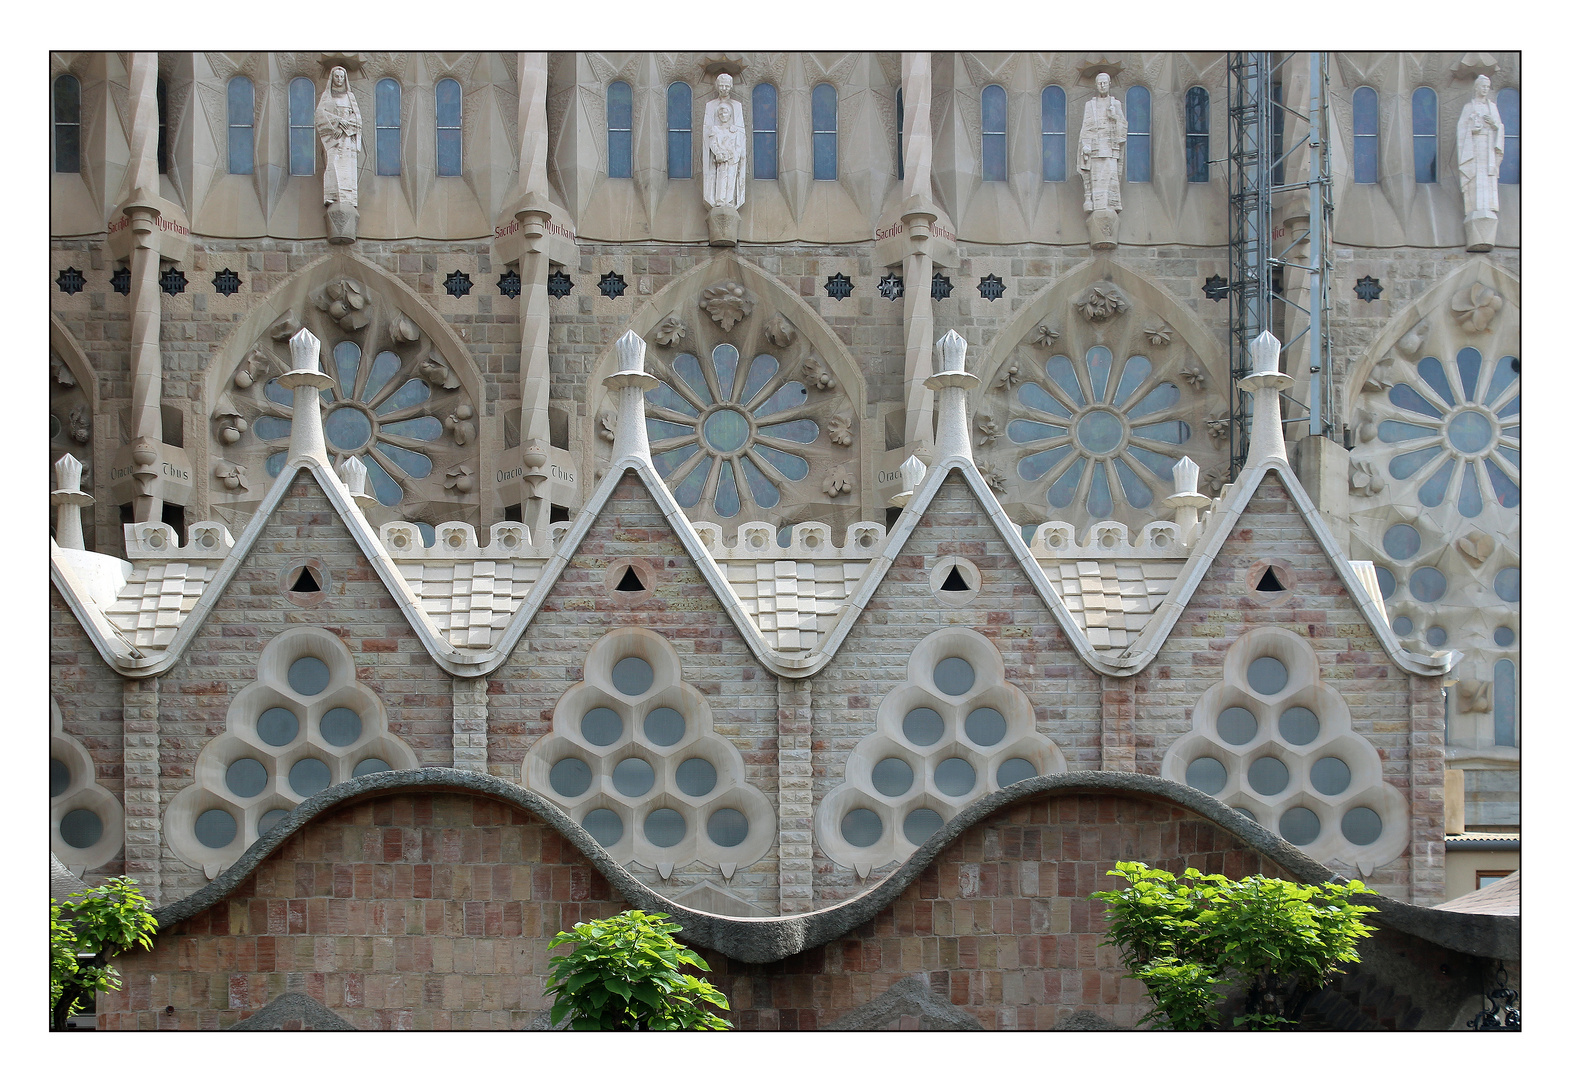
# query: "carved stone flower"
[780,332]
[1475,695]
[1043,336]
[80,424]
[1413,340]
[1214,481]
[232,475]
[839,481]
[460,478]
[461,425]
[1160,334]
[1101,302]
[1364,426]
[60,372]
[670,331]
[816,374]
[255,364]
[1217,425]
[840,429]
[432,370]
[1476,547]
[284,329]
[1194,375]
[1380,377]
[404,330]
[1476,307]
[727,304]
[1008,375]
[605,425]
[1363,480]
[994,478]
[987,429]
[345,302]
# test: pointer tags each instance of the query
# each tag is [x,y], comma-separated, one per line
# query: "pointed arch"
[63,344]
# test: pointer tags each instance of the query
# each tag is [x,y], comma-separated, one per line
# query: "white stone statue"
[338,126]
[1480,146]
[1103,132]
[725,149]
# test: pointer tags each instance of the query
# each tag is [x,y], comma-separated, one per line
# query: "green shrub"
[1189,939]
[86,931]
[625,974]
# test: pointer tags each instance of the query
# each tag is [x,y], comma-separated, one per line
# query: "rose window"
[729,434]
[1096,440]
[1457,432]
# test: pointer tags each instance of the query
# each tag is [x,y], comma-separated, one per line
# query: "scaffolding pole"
[1249,163]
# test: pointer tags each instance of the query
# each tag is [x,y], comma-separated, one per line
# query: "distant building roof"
[1504,897]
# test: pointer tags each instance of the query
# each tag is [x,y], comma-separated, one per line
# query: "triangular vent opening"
[629,582]
[1269,582]
[954,582]
[305,581]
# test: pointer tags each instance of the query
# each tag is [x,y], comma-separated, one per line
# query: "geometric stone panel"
[1276,743]
[302,726]
[86,822]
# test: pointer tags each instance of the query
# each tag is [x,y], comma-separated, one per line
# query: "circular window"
[570,777]
[1267,676]
[1100,431]
[1401,541]
[1362,826]
[348,429]
[1470,431]
[664,727]
[727,827]
[309,775]
[862,828]
[1246,812]
[1402,625]
[892,777]
[1436,636]
[1508,584]
[920,824]
[632,676]
[1237,725]
[1300,826]
[1504,636]
[695,777]
[277,726]
[602,726]
[985,727]
[924,727]
[1330,775]
[308,676]
[1206,774]
[1015,770]
[1386,580]
[665,827]
[726,430]
[954,776]
[341,726]
[953,676]
[1299,726]
[604,825]
[215,828]
[270,821]
[246,777]
[1427,584]
[633,777]
[371,765]
[83,828]
[1268,775]
[59,777]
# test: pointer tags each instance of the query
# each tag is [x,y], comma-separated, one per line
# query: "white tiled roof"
[1112,599]
[471,602]
[793,603]
[156,599]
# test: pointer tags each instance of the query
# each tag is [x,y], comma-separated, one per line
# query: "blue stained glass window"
[1505,703]
[1404,396]
[1062,493]
[766,128]
[413,464]
[1426,141]
[242,126]
[1509,102]
[389,127]
[1135,371]
[1162,396]
[1468,361]
[1137,150]
[1054,156]
[763,368]
[1505,488]
[679,131]
[995,109]
[449,128]
[1366,135]
[383,368]
[1197,135]
[1471,501]
[1433,491]
[302,127]
[1431,372]
[1405,465]
[826,132]
[1099,361]
[1159,464]
[1033,396]
[1036,466]
[1172,431]
[1062,372]
[1135,489]
[1396,431]
[619,129]
[68,124]
[1029,431]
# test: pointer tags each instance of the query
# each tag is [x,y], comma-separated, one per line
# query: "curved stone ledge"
[763,940]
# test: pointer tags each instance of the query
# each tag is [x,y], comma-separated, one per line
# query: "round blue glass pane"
[1402,625]
[1504,636]
[953,676]
[308,776]
[696,777]
[632,676]
[1362,825]
[1300,826]
[1386,580]
[1267,775]
[985,727]
[861,828]
[726,430]
[1267,675]
[1508,585]
[954,776]
[1237,725]
[347,429]
[1207,774]
[308,676]
[1099,431]
[727,827]
[633,777]
[920,824]
[371,765]
[665,827]
[59,777]
[214,828]
[270,821]
[277,727]
[1436,636]
[1427,584]
[570,778]
[341,726]
[1299,726]
[83,828]
[1330,775]
[604,825]
[664,727]
[924,727]
[246,777]
[1015,770]
[1470,431]
[602,726]
[1401,541]
[892,776]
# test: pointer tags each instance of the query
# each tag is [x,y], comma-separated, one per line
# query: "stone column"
[916,87]
[534,305]
[1118,726]
[796,795]
[469,724]
[143,812]
[147,371]
[1426,759]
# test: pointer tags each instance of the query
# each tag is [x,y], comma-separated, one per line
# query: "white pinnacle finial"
[68,474]
[305,350]
[352,472]
[952,353]
[1263,354]
[630,352]
[1186,477]
[911,473]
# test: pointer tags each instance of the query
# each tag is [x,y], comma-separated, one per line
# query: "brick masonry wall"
[435,911]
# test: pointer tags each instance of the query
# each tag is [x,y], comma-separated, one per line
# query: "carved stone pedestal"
[342,222]
[1481,233]
[724,222]
[1103,227]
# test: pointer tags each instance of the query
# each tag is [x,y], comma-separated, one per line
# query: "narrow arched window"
[1137,150]
[1278,123]
[1509,102]
[68,124]
[449,128]
[1505,703]
[995,149]
[302,127]
[389,127]
[1426,136]
[766,127]
[1366,136]
[900,134]
[619,129]
[161,98]
[242,126]
[1055,160]
[1197,135]
[826,132]
[679,131]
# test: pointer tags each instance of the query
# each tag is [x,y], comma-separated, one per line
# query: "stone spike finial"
[952,382]
[951,350]
[631,383]
[352,473]
[305,350]
[1186,477]
[630,353]
[68,474]
[1266,382]
[911,473]
[70,498]
[1264,352]
[1186,500]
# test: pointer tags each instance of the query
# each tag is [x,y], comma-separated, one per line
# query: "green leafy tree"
[625,974]
[86,931]
[1189,938]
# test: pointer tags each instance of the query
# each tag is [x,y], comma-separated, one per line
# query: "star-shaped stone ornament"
[942,287]
[838,286]
[510,284]
[891,286]
[457,283]
[226,282]
[1368,289]
[612,285]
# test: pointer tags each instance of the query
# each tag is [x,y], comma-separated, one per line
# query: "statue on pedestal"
[1480,146]
[725,163]
[338,126]
[1103,132]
